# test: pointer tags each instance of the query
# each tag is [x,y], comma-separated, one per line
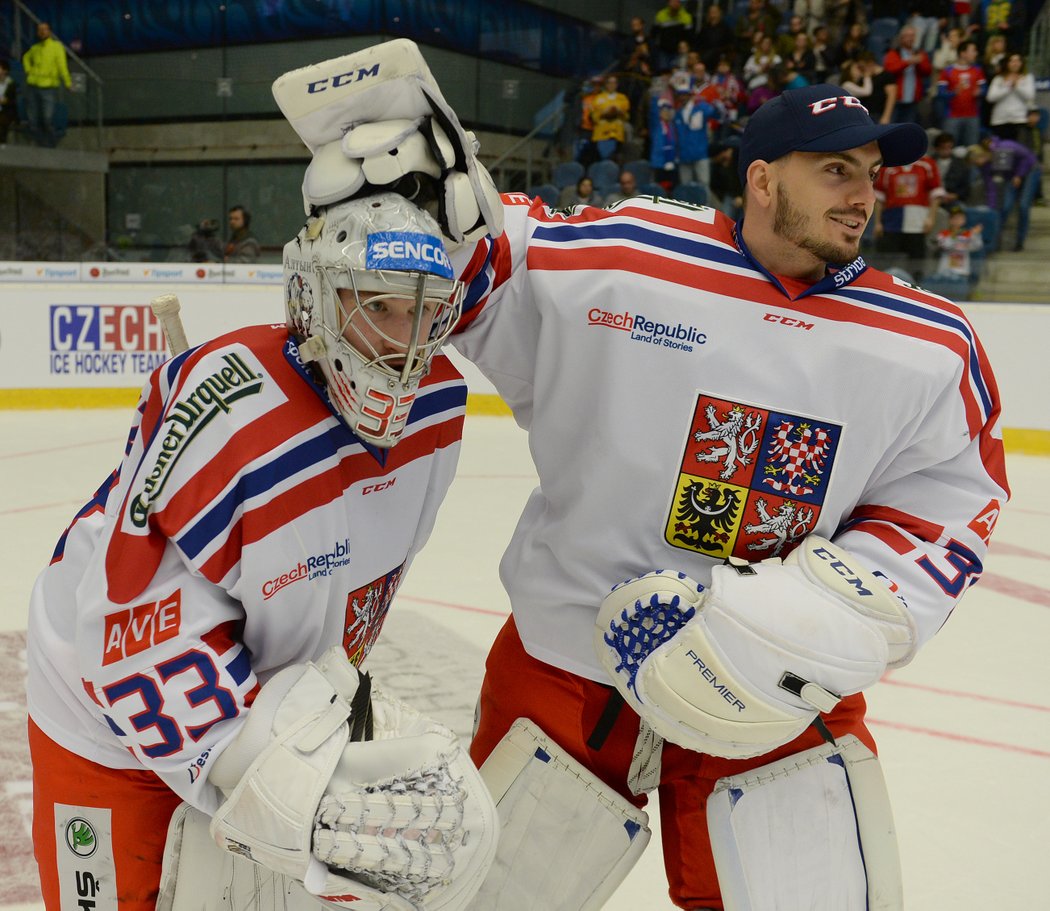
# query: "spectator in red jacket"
[911,65]
[962,86]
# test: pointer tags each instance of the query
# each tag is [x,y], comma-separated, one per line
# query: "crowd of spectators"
[677,99]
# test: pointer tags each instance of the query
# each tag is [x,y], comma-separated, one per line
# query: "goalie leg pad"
[567,840]
[194,875]
[812,831]
[199,876]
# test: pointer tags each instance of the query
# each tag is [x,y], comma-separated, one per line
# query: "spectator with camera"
[204,244]
[241,247]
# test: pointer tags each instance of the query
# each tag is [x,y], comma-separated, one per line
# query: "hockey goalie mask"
[370,294]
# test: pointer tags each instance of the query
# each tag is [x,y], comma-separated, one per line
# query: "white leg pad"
[813,831]
[198,875]
[566,840]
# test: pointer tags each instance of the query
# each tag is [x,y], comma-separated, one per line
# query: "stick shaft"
[167,307]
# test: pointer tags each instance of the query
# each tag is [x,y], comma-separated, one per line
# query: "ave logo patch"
[752,480]
[135,629]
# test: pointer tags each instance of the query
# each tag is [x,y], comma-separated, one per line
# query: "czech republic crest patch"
[752,480]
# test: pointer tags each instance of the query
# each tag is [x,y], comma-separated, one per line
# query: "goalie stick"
[167,307]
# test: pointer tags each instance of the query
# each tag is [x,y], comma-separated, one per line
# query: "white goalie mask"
[370,294]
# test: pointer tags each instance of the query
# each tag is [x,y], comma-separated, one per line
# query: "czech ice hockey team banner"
[56,335]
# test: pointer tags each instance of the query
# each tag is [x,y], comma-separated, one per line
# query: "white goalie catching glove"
[399,811]
[376,119]
[746,665]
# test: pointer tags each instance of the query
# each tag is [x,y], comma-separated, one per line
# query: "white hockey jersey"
[246,529]
[684,405]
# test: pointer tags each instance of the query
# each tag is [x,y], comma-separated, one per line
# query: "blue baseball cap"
[824,118]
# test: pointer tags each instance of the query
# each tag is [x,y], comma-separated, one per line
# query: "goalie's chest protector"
[686,406]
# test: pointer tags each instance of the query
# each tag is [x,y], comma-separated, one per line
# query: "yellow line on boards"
[39,399]
[33,399]
[1021,441]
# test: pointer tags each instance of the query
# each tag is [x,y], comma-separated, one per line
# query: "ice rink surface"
[964,732]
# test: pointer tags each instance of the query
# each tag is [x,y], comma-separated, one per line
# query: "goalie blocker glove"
[376,120]
[746,665]
[354,796]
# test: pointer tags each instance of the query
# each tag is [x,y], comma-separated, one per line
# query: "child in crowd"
[956,243]
[664,151]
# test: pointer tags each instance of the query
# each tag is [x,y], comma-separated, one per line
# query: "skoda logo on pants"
[80,837]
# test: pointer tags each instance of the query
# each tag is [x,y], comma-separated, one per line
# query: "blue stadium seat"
[693,192]
[881,33]
[567,174]
[547,192]
[989,219]
[641,169]
[651,189]
[605,173]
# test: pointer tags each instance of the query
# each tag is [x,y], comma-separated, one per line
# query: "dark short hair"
[244,212]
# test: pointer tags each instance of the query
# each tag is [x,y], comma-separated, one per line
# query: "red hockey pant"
[140,806]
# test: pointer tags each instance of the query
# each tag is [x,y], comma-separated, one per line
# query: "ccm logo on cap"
[829,104]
